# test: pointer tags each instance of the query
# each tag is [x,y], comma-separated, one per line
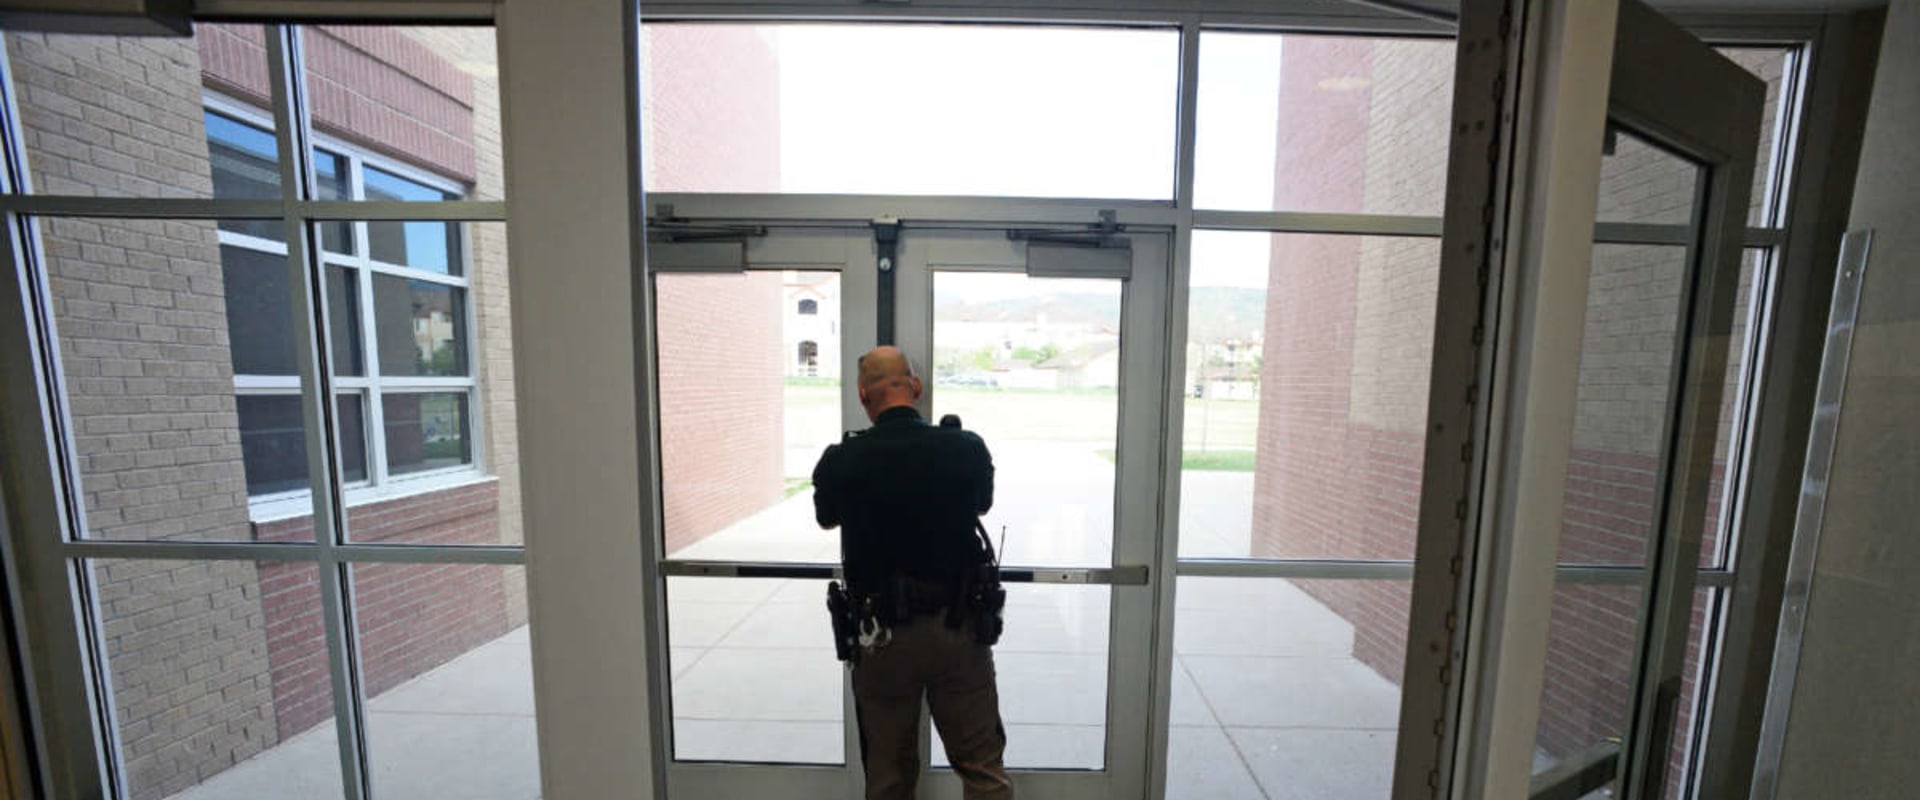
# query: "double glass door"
[1048,343]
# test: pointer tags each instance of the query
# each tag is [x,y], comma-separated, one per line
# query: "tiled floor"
[1268,700]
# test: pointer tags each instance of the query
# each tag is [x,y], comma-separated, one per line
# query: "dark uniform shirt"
[906,495]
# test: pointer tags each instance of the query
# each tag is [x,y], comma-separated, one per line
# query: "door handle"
[1134,575]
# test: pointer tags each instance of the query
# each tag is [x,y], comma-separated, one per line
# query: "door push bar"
[1097,576]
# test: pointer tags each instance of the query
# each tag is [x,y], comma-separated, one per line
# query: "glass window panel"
[1590,682]
[427,96]
[260,319]
[220,681]
[426,431]
[1051,664]
[246,166]
[1776,66]
[1718,540]
[1306,395]
[331,182]
[1623,404]
[1703,645]
[344,326]
[743,417]
[353,437]
[1033,366]
[147,358]
[1621,413]
[259,305]
[1593,638]
[1332,124]
[753,672]
[431,246]
[1633,320]
[121,116]
[445,430]
[767,108]
[384,185]
[1641,182]
[421,327]
[273,442]
[1286,688]
[448,673]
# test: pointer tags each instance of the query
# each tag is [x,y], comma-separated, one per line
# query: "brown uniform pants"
[955,675]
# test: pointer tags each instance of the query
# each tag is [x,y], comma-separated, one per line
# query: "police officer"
[907,496]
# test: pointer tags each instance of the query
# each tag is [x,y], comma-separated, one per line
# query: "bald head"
[887,380]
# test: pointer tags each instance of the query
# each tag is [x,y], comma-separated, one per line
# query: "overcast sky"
[1030,111]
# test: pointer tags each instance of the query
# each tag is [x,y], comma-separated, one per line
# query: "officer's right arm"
[826,488]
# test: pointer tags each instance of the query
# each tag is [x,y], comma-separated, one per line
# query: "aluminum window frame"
[374,384]
[75,719]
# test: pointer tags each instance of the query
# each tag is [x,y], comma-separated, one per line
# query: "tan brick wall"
[187,655]
[140,312]
[492,301]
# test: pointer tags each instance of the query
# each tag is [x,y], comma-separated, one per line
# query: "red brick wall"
[1327,485]
[411,617]
[712,97]
[713,107]
[721,421]
[375,86]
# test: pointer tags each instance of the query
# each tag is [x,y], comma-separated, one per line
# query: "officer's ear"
[916,386]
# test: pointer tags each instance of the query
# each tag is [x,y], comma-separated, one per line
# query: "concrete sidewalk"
[1268,701]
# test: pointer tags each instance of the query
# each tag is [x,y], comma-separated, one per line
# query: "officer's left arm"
[982,498]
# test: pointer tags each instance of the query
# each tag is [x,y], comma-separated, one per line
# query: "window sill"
[299,504]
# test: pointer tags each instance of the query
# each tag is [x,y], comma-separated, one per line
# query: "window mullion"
[376,405]
[294,137]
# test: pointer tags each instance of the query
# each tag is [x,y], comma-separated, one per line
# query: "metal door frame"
[838,233]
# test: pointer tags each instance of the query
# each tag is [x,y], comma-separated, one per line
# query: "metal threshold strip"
[1100,576]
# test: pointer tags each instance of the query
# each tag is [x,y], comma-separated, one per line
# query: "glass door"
[1625,230]
[1048,342]
[1650,403]
[753,329]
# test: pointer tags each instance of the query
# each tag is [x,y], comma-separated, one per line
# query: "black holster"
[983,600]
[845,614]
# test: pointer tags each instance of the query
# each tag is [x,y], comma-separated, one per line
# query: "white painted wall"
[1855,716]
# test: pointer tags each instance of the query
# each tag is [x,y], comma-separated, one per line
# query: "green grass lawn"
[1209,461]
[1062,416]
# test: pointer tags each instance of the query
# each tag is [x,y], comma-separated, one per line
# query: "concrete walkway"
[1268,701]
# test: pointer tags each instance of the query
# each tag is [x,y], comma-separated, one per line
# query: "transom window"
[401,334]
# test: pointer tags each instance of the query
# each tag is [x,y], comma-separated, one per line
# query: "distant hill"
[1064,308]
[1218,312]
